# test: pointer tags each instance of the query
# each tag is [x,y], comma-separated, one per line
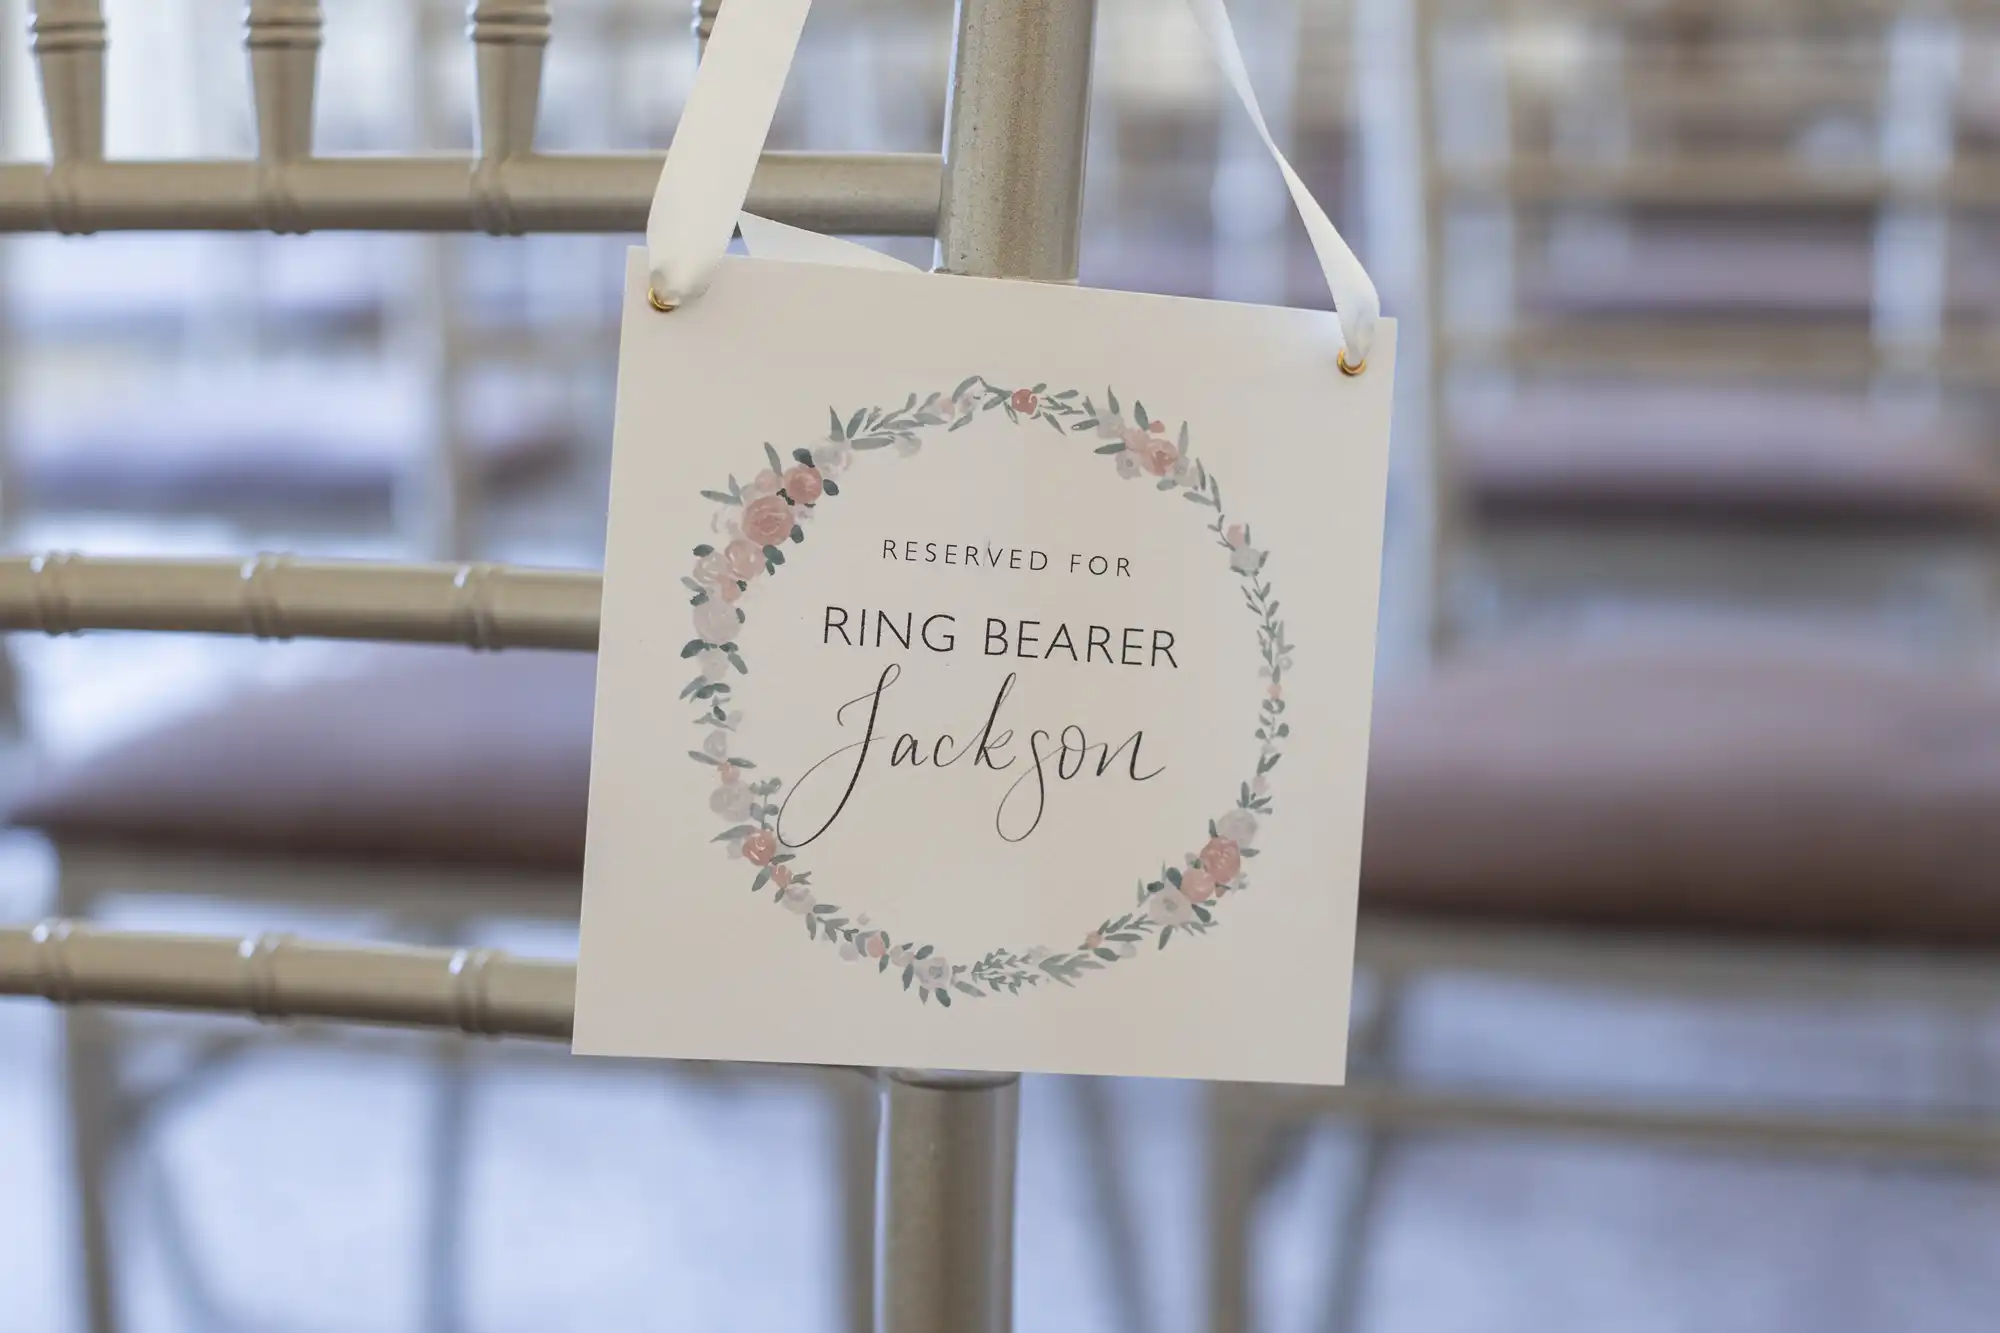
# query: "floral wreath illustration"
[760,520]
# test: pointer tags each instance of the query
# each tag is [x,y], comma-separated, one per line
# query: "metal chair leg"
[444,1205]
[91,1091]
[1347,1276]
[1108,1200]
[945,1234]
[90,1085]
[1246,1129]
[857,1107]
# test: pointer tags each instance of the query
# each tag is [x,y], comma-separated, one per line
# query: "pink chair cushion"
[334,434]
[1717,783]
[1733,784]
[409,755]
[1738,268]
[1796,456]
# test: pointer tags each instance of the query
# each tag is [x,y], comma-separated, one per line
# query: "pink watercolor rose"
[767,520]
[1235,536]
[1222,859]
[876,945]
[781,875]
[711,570]
[760,847]
[745,559]
[1024,400]
[730,774]
[764,483]
[1197,886]
[803,484]
[1156,454]
[1094,940]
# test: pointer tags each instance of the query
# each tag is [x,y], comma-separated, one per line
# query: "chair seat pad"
[1788,270]
[409,755]
[1725,783]
[338,434]
[1712,271]
[1797,456]
[1729,784]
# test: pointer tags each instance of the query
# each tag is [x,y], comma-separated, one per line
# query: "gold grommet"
[667,307]
[1353,368]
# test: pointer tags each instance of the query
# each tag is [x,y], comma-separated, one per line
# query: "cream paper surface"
[1075,825]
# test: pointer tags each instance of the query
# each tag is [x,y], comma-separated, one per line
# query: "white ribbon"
[716,145]
[766,239]
[698,203]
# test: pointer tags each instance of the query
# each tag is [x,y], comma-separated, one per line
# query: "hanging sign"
[985,671]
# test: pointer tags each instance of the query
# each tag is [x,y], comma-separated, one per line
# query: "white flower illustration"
[731,800]
[934,972]
[833,457]
[715,622]
[1169,906]
[716,746]
[1239,826]
[1246,560]
[798,899]
[714,663]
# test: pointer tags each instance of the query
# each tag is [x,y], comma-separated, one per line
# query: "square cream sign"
[984,679]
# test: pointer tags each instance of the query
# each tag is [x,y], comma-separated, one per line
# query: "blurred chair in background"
[426,789]
[332,386]
[430,792]
[1711,440]
[1707,328]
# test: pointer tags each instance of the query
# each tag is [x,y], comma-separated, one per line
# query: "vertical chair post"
[283,38]
[508,39]
[703,21]
[945,1202]
[1013,197]
[1014,139]
[69,60]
